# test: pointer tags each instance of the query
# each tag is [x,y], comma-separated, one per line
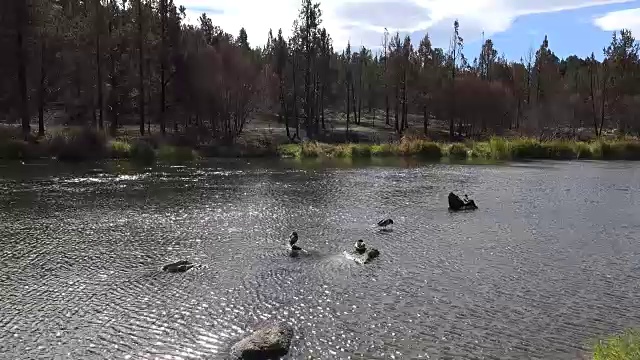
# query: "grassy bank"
[73,144]
[494,149]
[620,347]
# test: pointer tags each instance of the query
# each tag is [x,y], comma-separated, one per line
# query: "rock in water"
[362,258]
[270,342]
[372,254]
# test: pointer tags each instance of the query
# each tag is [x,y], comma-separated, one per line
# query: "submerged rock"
[364,258]
[371,254]
[269,342]
[180,266]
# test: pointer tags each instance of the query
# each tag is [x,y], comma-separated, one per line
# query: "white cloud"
[617,20]
[356,24]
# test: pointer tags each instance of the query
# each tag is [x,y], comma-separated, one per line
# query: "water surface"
[549,261]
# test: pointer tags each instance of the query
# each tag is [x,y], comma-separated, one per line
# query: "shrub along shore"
[87,146]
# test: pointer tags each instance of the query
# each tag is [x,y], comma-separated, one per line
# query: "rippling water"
[549,261]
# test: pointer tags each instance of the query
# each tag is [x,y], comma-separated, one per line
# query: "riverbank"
[494,149]
[85,145]
[620,347]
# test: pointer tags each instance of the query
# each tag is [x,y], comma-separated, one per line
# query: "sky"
[577,27]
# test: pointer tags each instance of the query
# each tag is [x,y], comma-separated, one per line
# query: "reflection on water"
[547,262]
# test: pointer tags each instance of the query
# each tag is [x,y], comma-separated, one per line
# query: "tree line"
[107,63]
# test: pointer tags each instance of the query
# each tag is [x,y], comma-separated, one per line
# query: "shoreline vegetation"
[625,346]
[76,145]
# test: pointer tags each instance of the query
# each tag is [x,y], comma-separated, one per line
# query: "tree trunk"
[386,101]
[295,101]
[163,64]
[114,98]
[359,108]
[353,103]
[604,93]
[373,117]
[99,85]
[425,120]
[348,103]
[21,58]
[452,104]
[322,107]
[397,108]
[404,101]
[42,89]
[141,98]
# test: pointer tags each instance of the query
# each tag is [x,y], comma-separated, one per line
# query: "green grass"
[494,149]
[457,152]
[176,154]
[80,144]
[142,152]
[620,347]
[289,150]
[119,149]
[382,150]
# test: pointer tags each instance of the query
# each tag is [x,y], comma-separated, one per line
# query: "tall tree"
[456,48]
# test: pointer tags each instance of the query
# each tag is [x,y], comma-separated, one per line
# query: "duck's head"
[294,235]
[390,221]
[360,242]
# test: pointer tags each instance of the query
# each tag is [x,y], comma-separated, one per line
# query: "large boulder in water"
[457,204]
[269,342]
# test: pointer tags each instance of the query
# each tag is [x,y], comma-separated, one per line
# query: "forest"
[106,64]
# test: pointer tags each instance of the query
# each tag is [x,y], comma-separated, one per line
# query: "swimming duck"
[384,223]
[293,239]
[179,266]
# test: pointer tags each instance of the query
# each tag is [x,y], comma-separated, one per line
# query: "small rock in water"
[270,342]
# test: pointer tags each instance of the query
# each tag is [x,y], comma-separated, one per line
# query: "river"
[548,263]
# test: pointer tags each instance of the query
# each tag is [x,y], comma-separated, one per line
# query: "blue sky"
[573,26]
[570,32]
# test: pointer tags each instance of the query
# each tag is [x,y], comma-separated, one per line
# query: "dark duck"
[384,223]
[360,247]
[179,266]
[293,239]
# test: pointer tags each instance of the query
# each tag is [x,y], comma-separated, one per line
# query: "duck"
[384,223]
[360,247]
[179,266]
[293,239]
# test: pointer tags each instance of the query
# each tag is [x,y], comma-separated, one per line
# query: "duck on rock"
[360,247]
[363,255]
